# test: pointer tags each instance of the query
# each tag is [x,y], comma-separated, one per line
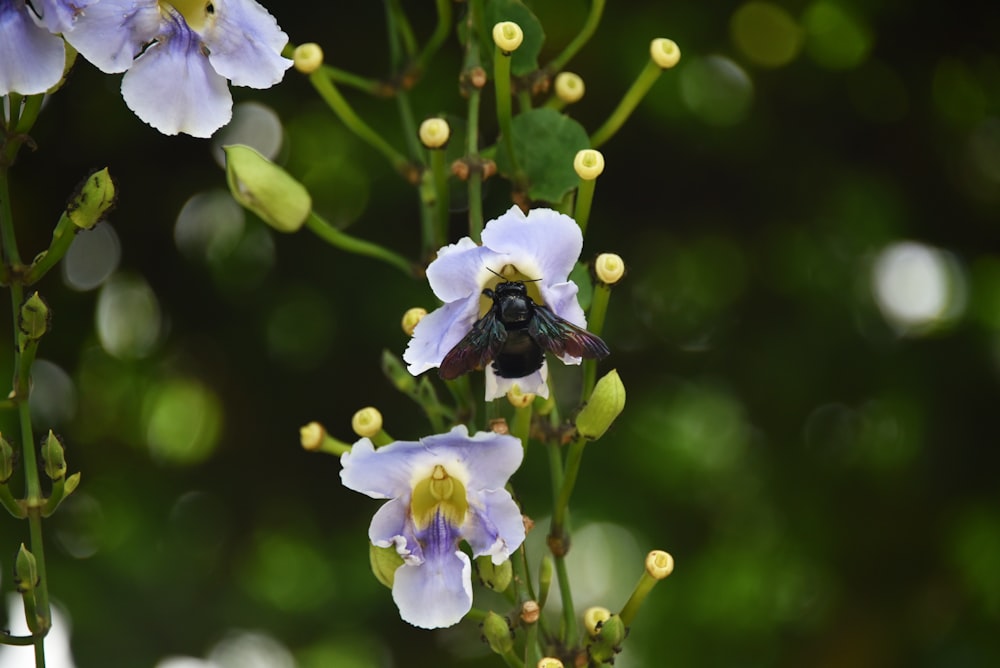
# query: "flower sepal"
[605,404]
[266,189]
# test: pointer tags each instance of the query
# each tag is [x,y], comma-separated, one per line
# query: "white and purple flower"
[177,56]
[32,54]
[542,246]
[442,489]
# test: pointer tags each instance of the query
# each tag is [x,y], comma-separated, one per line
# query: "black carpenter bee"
[514,335]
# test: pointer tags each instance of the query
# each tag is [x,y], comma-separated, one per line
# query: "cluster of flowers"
[449,487]
[177,56]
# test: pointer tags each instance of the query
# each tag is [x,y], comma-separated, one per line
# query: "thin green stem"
[501,82]
[16,641]
[476,175]
[442,207]
[8,501]
[584,200]
[439,36]
[586,32]
[344,241]
[573,459]
[355,81]
[570,632]
[399,26]
[642,589]
[522,424]
[324,86]
[650,73]
[512,659]
[62,237]
[29,113]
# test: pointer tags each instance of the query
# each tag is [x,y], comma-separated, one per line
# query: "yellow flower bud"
[367,422]
[593,618]
[550,662]
[311,436]
[307,57]
[588,164]
[609,268]
[411,318]
[434,132]
[569,87]
[664,52]
[508,36]
[659,564]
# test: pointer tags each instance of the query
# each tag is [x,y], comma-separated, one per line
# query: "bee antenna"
[495,273]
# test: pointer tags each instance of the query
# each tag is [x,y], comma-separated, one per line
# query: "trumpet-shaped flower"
[542,247]
[177,56]
[32,54]
[441,490]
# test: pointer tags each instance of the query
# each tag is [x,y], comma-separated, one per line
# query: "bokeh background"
[809,333]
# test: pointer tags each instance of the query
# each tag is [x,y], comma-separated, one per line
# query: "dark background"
[824,473]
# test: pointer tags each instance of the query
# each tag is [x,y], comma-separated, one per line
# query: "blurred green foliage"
[822,470]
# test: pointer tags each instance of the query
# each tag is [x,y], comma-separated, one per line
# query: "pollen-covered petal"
[244,43]
[545,242]
[438,332]
[31,58]
[460,269]
[533,383]
[111,33]
[436,593]
[489,459]
[494,525]
[58,16]
[173,87]
[385,473]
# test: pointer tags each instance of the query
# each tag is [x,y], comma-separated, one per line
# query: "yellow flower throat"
[439,492]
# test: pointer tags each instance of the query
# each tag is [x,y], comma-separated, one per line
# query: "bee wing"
[561,337]
[476,349]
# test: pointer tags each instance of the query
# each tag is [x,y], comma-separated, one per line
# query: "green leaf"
[581,276]
[525,59]
[545,143]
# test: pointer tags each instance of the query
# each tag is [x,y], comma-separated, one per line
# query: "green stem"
[29,113]
[512,659]
[8,501]
[399,26]
[324,86]
[440,34]
[642,589]
[344,241]
[62,237]
[472,61]
[595,324]
[573,458]
[584,200]
[650,73]
[570,632]
[586,32]
[522,424]
[439,170]
[501,81]
[354,81]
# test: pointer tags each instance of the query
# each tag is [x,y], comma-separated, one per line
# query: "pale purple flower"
[177,63]
[542,246]
[442,489]
[32,54]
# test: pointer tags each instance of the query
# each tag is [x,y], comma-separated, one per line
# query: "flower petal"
[494,525]
[391,526]
[386,473]
[489,459]
[460,270]
[438,332]
[245,43]
[111,33]
[173,87]
[561,299]
[58,16]
[544,245]
[31,58]
[534,383]
[437,592]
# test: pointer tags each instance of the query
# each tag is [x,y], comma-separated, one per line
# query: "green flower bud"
[6,460]
[93,200]
[494,576]
[605,404]
[498,634]
[54,456]
[25,570]
[36,318]
[266,189]
[545,572]
[384,562]
[609,640]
